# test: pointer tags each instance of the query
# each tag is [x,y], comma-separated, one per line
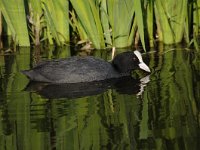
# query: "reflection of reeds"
[173,109]
[165,117]
[100,24]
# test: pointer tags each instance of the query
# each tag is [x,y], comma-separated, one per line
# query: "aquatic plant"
[101,23]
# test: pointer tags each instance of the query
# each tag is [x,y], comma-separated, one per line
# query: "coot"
[86,69]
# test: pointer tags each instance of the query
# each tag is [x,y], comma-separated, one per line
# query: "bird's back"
[73,70]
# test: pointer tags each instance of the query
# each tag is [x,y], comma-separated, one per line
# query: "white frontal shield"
[142,65]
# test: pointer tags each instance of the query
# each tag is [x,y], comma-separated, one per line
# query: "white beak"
[144,67]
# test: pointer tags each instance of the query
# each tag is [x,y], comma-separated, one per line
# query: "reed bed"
[100,23]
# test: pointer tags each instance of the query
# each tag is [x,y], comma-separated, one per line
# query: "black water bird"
[86,69]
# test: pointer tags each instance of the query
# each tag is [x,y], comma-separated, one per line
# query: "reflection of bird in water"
[143,83]
[125,85]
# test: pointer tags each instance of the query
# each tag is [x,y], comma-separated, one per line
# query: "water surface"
[162,113]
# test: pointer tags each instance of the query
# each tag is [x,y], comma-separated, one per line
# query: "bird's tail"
[27,73]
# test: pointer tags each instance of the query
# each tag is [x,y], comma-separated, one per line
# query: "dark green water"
[164,115]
